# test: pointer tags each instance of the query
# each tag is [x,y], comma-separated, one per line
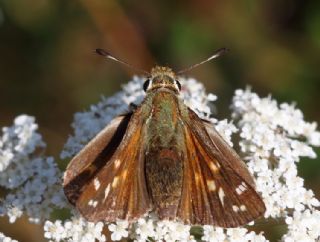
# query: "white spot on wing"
[213,167]
[211,185]
[96,184]
[106,192]
[235,208]
[241,188]
[238,191]
[124,174]
[197,177]
[221,195]
[115,182]
[116,163]
[93,203]
[243,208]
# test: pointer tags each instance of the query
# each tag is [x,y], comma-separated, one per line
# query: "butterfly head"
[162,77]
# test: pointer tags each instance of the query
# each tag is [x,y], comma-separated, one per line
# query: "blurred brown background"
[48,68]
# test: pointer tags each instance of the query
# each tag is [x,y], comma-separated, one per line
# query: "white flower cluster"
[272,139]
[76,229]
[147,228]
[4,238]
[33,180]
[212,234]
[195,97]
[151,229]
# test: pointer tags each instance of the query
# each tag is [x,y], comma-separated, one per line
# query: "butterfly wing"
[106,179]
[217,188]
[93,156]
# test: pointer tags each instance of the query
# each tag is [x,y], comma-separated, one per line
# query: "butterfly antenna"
[216,54]
[106,54]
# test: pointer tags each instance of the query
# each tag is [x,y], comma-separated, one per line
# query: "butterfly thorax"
[164,122]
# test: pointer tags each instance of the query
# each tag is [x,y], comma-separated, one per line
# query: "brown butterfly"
[163,158]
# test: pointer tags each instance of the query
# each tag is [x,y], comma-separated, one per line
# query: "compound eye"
[146,85]
[178,84]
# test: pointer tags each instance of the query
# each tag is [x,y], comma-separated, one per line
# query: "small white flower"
[13,213]
[144,229]
[237,234]
[212,234]
[119,230]
[178,232]
[54,230]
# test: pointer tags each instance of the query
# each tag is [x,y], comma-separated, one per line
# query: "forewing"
[118,190]
[215,191]
[88,162]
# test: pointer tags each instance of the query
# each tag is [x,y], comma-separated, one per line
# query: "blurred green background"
[48,68]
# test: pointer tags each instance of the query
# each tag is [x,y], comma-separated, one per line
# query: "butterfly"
[162,158]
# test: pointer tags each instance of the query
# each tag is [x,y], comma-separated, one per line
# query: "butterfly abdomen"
[164,175]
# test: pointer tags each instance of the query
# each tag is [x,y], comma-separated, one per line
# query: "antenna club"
[106,54]
[102,52]
[218,53]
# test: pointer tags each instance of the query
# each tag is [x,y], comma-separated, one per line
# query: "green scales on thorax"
[164,125]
